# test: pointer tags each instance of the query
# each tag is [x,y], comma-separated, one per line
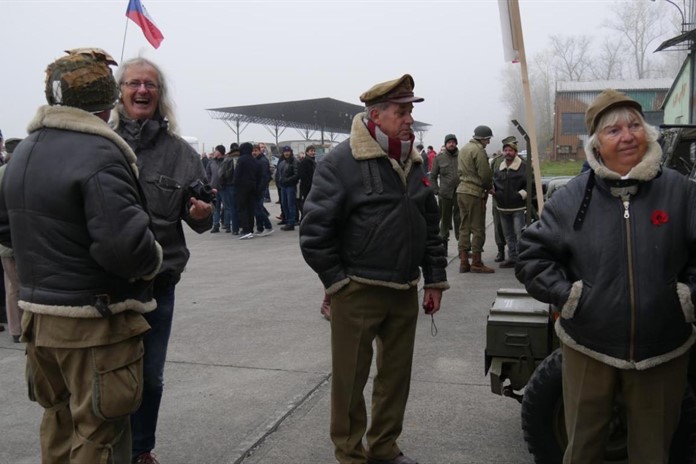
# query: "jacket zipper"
[631,283]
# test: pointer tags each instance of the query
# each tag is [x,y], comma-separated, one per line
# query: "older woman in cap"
[616,252]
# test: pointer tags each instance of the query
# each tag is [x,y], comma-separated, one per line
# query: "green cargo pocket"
[118,378]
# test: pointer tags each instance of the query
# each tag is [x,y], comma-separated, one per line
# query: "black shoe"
[500,257]
[287,227]
[15,338]
[215,230]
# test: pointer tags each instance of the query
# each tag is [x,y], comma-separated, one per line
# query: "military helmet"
[83,79]
[483,132]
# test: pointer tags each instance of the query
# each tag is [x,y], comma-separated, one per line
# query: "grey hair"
[165,106]
[377,106]
[623,113]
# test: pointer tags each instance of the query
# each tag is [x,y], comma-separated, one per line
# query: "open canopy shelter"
[327,116]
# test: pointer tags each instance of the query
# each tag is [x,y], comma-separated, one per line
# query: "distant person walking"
[261,214]
[212,171]
[247,183]
[306,168]
[288,178]
[475,182]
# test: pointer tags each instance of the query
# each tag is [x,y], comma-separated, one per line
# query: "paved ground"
[248,372]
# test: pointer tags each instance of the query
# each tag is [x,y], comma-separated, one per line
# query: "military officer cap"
[395,91]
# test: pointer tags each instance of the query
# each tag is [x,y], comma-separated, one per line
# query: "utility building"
[573,98]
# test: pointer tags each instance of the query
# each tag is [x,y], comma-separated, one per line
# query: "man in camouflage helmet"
[475,182]
[370,228]
[85,259]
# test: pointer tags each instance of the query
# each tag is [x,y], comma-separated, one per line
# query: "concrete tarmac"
[249,367]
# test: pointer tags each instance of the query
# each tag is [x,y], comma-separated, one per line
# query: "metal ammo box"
[518,337]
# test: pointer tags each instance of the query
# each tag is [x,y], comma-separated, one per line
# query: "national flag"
[138,14]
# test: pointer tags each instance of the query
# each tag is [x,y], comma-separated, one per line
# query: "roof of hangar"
[325,114]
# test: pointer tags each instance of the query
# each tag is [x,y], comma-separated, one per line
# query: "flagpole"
[518,40]
[123,47]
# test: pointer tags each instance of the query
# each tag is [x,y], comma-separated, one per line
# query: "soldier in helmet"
[85,258]
[475,182]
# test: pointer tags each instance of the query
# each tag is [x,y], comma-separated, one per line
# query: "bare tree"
[638,22]
[609,64]
[572,56]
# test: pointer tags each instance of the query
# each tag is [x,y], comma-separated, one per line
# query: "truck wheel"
[544,427]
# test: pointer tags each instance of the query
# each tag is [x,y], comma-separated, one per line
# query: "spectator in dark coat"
[306,169]
[247,184]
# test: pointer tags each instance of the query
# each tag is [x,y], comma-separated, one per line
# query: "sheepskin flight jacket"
[369,219]
[625,279]
[79,230]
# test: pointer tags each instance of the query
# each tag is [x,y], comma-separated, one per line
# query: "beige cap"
[607,100]
[395,91]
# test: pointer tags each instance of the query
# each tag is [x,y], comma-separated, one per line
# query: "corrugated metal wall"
[571,145]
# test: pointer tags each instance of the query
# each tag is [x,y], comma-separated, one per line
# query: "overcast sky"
[230,53]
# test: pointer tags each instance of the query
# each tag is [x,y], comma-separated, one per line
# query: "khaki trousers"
[472,232]
[653,404]
[449,210]
[14,312]
[88,395]
[361,314]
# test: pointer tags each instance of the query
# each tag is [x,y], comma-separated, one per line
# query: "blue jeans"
[512,224]
[288,197]
[144,420]
[227,194]
[217,206]
[261,213]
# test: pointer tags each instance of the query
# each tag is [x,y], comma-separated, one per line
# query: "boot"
[509,264]
[477,265]
[326,307]
[464,262]
[500,257]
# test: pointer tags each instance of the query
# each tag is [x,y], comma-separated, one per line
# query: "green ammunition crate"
[518,326]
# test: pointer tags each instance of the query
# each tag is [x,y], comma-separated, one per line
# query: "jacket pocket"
[572,304]
[117,388]
[165,196]
[685,301]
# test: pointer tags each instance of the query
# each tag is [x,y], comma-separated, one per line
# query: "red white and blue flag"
[138,14]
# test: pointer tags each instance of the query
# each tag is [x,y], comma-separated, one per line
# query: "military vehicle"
[524,362]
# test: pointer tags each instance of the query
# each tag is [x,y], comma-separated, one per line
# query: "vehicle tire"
[544,427]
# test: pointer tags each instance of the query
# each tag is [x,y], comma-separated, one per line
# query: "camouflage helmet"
[83,79]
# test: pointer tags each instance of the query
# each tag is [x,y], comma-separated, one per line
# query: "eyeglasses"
[137,84]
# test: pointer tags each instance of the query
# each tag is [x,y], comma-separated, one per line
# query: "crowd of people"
[93,257]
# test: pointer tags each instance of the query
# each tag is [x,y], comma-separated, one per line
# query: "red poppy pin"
[426,181]
[659,217]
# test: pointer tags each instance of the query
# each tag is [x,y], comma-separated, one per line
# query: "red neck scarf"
[397,149]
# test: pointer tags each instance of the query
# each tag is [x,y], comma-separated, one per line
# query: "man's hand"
[431,300]
[199,209]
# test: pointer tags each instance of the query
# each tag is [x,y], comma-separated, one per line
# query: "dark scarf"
[397,149]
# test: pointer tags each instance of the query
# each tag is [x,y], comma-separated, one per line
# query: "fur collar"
[365,147]
[646,170]
[515,165]
[75,119]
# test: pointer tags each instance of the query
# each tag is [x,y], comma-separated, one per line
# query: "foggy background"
[231,53]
